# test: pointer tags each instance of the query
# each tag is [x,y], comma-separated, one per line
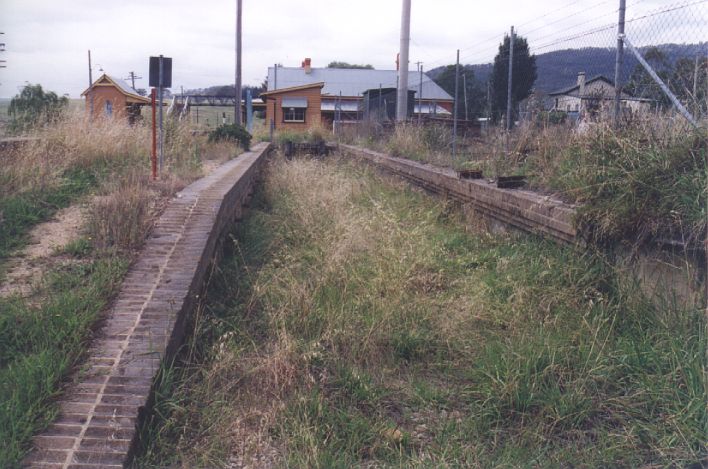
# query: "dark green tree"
[642,85]
[33,107]
[689,82]
[523,75]
[474,89]
[337,64]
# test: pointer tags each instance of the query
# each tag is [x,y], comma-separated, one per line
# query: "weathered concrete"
[96,426]
[521,209]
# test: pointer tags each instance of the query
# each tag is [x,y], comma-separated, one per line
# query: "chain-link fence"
[661,66]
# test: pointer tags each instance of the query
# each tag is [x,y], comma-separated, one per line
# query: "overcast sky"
[47,41]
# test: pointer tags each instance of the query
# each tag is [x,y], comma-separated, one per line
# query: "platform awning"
[294,102]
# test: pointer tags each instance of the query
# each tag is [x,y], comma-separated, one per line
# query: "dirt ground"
[26,269]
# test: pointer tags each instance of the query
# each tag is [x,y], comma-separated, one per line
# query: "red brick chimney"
[307,65]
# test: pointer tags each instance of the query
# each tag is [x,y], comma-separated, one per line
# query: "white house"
[595,95]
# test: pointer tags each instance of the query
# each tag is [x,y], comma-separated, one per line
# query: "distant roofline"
[97,83]
[587,82]
[320,85]
[361,71]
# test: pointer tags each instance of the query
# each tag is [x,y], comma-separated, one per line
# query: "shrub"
[642,183]
[33,107]
[231,132]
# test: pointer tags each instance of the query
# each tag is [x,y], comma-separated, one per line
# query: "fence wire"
[576,50]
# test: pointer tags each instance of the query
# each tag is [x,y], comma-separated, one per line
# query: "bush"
[33,107]
[551,117]
[641,183]
[231,132]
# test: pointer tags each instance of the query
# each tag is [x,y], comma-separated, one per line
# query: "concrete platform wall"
[521,209]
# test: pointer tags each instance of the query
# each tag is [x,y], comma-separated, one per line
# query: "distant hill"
[559,69]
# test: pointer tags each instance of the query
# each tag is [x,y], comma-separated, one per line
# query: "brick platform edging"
[522,209]
[97,422]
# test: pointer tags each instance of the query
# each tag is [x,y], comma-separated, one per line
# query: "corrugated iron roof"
[122,86]
[125,87]
[346,106]
[575,87]
[352,82]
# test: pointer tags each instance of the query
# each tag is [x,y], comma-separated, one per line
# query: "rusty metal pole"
[153,155]
[159,93]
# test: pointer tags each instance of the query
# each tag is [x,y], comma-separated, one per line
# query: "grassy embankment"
[643,182]
[105,167]
[355,322]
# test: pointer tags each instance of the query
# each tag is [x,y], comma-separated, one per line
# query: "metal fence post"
[454,124]
[672,97]
[619,60]
[510,80]
[420,94]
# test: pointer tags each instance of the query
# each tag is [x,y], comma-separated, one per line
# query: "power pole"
[420,90]
[237,90]
[132,77]
[402,100]
[2,49]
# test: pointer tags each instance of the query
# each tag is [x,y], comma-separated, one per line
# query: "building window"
[294,114]
[109,108]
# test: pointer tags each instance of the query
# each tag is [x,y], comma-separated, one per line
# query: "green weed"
[40,344]
[356,322]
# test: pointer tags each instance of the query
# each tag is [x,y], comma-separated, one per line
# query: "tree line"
[686,77]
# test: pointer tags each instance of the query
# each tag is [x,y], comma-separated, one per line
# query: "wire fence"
[583,72]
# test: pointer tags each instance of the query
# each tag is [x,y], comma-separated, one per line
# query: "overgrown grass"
[40,343]
[355,322]
[19,212]
[644,182]
[42,338]
[313,134]
[74,157]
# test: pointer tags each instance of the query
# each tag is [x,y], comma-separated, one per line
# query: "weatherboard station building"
[111,97]
[300,97]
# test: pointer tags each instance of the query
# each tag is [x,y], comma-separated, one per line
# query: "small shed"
[112,97]
[381,104]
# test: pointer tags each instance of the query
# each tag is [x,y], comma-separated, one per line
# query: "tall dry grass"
[355,323]
[121,216]
[108,156]
[104,164]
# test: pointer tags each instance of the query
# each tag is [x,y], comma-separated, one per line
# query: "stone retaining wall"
[96,425]
[521,209]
